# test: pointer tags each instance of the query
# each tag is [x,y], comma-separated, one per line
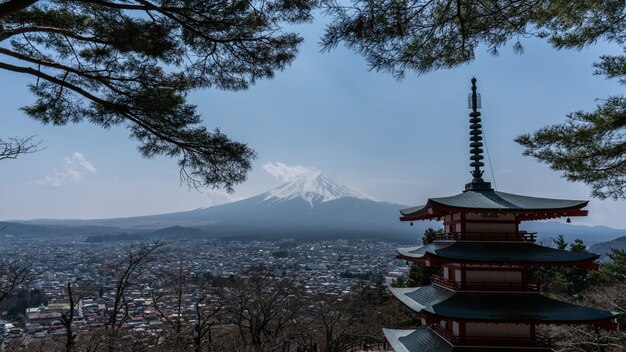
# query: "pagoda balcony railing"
[483,286]
[489,236]
[438,280]
[536,341]
[444,333]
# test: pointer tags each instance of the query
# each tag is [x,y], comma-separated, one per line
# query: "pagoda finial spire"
[476,144]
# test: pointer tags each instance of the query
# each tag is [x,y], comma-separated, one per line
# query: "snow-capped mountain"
[314,188]
[311,205]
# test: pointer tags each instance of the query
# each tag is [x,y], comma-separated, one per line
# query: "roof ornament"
[476,144]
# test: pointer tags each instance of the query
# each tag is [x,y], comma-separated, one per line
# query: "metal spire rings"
[476,144]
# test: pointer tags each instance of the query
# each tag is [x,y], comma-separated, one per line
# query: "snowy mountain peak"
[314,187]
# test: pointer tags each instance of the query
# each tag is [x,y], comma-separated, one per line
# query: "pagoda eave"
[434,303]
[436,260]
[424,339]
[421,339]
[436,213]
[501,253]
[607,323]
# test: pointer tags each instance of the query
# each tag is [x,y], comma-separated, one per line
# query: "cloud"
[73,171]
[288,173]
[80,159]
[217,197]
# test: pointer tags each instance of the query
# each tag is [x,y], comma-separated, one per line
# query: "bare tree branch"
[12,275]
[13,147]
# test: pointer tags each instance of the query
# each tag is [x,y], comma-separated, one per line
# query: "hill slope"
[605,247]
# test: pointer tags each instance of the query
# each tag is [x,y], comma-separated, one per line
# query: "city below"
[331,267]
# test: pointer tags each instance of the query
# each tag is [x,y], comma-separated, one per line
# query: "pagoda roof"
[421,339]
[418,298]
[497,202]
[495,252]
[424,339]
[510,307]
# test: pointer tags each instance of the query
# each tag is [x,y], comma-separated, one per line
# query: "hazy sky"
[400,141]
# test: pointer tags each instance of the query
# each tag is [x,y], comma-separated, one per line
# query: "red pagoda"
[482,300]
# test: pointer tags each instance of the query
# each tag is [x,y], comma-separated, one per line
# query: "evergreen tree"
[560,243]
[399,282]
[419,275]
[398,35]
[588,147]
[568,281]
[578,279]
[132,63]
[578,246]
[430,235]
[615,270]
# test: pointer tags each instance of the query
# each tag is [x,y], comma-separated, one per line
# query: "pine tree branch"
[11,6]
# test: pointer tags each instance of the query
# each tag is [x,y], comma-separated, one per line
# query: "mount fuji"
[315,188]
[312,206]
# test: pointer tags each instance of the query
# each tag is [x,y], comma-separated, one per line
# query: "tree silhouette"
[132,63]
[397,36]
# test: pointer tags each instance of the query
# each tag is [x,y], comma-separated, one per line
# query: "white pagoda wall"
[490,227]
[493,276]
[482,216]
[496,330]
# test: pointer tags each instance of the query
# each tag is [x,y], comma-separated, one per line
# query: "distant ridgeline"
[314,207]
[591,235]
